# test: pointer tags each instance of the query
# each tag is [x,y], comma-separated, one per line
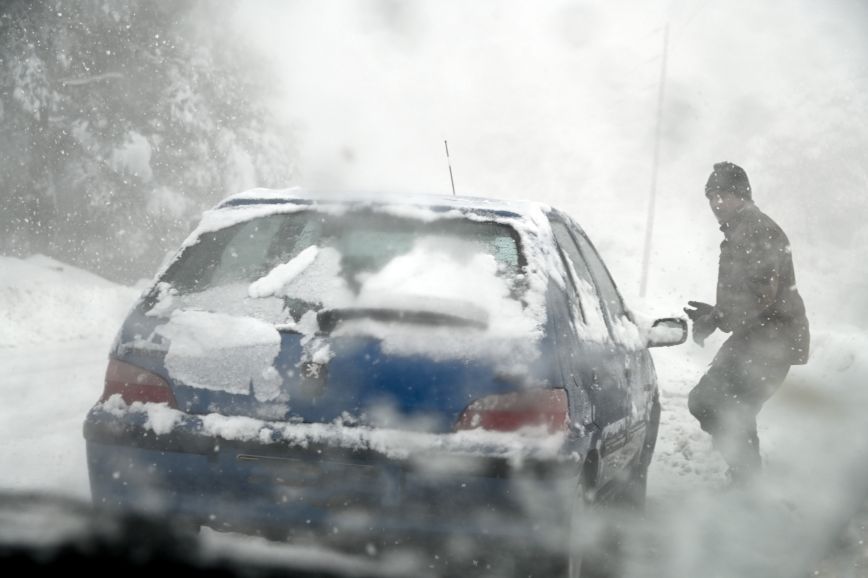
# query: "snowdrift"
[46,301]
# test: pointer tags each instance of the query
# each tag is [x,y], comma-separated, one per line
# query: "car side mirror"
[667,331]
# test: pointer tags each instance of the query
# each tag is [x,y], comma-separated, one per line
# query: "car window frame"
[575,233]
[568,270]
[579,237]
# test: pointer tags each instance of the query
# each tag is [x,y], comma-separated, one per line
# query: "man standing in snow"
[757,302]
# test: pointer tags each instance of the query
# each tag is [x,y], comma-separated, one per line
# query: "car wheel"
[633,491]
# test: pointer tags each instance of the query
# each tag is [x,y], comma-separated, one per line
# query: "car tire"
[602,552]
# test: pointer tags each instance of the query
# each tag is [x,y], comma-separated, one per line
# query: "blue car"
[429,371]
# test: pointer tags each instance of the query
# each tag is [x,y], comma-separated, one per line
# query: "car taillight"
[513,411]
[135,384]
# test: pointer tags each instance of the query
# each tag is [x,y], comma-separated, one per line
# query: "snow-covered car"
[422,370]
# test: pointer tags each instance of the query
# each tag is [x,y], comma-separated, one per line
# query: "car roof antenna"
[449,162]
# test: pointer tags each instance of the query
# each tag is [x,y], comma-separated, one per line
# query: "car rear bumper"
[348,495]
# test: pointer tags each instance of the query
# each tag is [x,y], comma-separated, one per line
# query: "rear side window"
[238,253]
[606,286]
[586,306]
[623,329]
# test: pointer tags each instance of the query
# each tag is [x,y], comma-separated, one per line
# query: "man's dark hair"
[728,178]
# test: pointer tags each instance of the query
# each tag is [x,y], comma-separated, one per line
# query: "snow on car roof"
[433,202]
[528,218]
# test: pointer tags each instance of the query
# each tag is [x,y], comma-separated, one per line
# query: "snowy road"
[50,390]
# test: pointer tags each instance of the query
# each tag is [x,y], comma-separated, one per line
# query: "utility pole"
[649,226]
[449,162]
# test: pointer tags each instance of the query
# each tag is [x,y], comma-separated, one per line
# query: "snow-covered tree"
[120,121]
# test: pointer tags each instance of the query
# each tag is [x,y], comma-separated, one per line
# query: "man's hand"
[699,309]
[704,320]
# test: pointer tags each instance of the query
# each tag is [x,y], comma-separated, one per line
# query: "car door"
[598,367]
[627,339]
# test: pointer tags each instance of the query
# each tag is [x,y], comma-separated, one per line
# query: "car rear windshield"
[361,244]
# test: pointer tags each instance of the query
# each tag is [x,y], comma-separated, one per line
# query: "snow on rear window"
[310,260]
[448,270]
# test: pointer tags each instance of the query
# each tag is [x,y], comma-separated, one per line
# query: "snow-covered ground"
[58,323]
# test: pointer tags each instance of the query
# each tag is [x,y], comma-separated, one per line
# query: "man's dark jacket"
[756,287]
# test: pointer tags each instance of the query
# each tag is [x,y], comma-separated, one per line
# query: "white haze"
[556,101]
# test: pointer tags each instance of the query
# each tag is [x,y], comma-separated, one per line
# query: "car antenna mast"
[449,162]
